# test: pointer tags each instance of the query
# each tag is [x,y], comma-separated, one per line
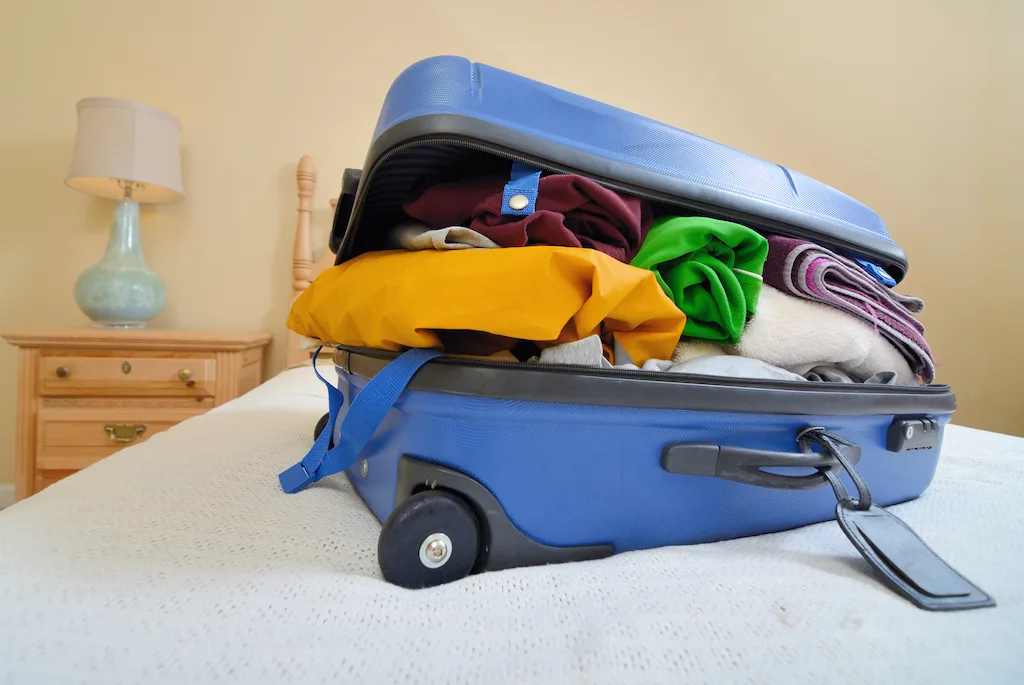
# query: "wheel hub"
[436,550]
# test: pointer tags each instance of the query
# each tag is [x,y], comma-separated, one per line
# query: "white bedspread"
[180,561]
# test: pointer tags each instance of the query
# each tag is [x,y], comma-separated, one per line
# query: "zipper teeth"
[683,378]
[791,231]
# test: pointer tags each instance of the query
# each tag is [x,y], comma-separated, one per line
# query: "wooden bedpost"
[304,269]
[302,252]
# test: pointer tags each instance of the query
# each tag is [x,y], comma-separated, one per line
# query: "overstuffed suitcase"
[477,465]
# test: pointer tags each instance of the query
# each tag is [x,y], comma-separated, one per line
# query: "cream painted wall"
[913,107]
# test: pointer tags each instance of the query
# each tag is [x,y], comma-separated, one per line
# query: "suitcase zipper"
[710,210]
[684,378]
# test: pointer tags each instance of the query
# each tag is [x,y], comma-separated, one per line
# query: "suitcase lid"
[446,115]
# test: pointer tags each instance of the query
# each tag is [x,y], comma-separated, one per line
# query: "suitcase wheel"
[431,538]
[319,428]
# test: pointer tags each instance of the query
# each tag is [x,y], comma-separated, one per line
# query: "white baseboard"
[6,495]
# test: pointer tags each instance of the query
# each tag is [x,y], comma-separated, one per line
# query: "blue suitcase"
[484,465]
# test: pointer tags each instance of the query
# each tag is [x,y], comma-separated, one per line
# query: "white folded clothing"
[799,335]
[590,352]
[726,366]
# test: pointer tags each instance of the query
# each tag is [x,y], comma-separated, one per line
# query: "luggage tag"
[904,561]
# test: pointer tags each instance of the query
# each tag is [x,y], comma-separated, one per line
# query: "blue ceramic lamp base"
[121,291]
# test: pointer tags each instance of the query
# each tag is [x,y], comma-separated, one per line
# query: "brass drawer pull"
[124,432]
[63,372]
[126,368]
[185,374]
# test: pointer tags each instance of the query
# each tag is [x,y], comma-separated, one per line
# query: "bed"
[180,560]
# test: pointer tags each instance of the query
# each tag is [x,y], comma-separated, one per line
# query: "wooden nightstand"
[85,394]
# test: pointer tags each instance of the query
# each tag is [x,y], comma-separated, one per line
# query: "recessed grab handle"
[745,465]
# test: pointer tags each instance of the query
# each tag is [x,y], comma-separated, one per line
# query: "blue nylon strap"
[365,415]
[524,181]
[876,272]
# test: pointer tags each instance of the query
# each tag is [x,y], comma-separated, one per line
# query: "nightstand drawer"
[45,479]
[74,384]
[69,439]
[68,375]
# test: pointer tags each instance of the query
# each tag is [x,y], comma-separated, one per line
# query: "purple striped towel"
[816,273]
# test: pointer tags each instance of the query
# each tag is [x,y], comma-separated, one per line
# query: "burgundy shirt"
[571,211]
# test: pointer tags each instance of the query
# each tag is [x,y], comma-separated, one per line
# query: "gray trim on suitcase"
[604,388]
[756,213]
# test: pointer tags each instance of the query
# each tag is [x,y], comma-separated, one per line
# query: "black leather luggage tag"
[906,562]
[895,551]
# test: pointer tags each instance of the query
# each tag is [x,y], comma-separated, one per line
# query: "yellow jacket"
[394,300]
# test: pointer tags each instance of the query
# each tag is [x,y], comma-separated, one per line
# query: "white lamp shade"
[120,140]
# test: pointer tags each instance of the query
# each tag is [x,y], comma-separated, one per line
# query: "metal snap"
[518,202]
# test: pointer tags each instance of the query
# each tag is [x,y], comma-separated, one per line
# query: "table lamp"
[129,152]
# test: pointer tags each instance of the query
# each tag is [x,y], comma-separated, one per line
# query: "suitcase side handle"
[895,551]
[745,465]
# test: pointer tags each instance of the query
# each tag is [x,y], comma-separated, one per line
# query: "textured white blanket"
[180,561]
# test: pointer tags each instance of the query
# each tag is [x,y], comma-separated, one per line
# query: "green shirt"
[710,268]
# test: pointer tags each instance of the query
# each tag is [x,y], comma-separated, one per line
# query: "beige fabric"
[417,236]
[798,335]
